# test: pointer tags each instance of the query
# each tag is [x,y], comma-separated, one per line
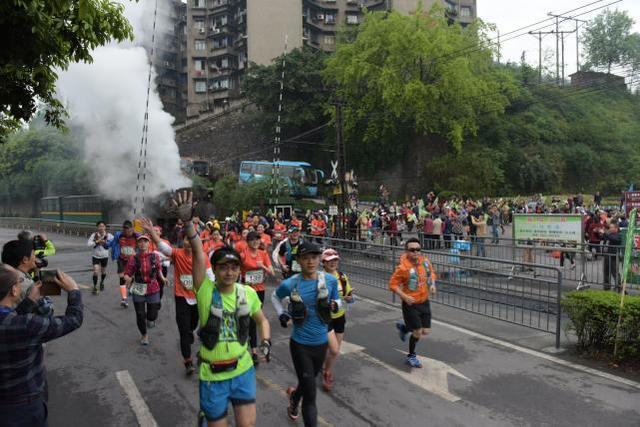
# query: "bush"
[594,316]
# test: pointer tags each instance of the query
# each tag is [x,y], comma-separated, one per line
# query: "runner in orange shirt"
[265,239]
[255,263]
[412,281]
[241,245]
[186,307]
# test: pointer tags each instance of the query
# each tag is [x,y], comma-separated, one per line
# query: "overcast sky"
[511,15]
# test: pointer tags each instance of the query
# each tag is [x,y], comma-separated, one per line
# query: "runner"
[265,239]
[123,248]
[224,306]
[318,228]
[255,262]
[330,261]
[215,242]
[99,243]
[143,275]
[313,296]
[284,254]
[241,245]
[279,230]
[412,281]
[185,297]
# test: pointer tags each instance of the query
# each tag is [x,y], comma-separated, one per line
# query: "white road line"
[139,406]
[539,354]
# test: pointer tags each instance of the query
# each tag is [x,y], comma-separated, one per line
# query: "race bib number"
[187,281]
[139,289]
[128,251]
[295,267]
[254,277]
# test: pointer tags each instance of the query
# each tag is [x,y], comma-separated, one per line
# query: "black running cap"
[308,248]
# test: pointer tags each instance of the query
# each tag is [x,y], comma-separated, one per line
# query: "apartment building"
[219,38]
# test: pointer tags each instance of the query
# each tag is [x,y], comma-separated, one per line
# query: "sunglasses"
[414,249]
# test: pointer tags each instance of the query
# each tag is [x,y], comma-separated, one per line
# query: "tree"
[40,37]
[407,76]
[608,41]
[305,98]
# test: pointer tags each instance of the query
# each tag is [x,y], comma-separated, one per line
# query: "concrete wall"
[268,21]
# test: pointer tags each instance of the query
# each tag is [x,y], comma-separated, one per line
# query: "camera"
[41,261]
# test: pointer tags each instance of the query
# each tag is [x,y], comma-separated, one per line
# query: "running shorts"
[216,395]
[99,261]
[122,264]
[338,324]
[417,316]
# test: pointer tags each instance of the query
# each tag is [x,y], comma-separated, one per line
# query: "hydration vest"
[210,333]
[414,280]
[154,267]
[289,249]
[297,308]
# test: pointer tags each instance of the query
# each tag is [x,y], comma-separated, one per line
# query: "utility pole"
[341,158]
[557,53]
[498,46]
[540,34]
[577,21]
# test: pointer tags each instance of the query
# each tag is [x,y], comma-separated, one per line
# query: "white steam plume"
[106,101]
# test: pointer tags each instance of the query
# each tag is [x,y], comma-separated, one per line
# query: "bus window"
[245,168]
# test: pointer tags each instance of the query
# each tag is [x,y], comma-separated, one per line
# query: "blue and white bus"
[300,178]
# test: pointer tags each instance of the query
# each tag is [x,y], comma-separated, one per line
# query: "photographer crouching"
[24,326]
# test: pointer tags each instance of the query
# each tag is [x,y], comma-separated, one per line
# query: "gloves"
[265,349]
[284,319]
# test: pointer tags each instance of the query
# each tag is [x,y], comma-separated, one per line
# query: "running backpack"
[154,267]
[210,333]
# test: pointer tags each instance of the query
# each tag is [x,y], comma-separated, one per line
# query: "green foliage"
[608,41]
[594,317]
[405,75]
[40,162]
[230,196]
[304,96]
[42,36]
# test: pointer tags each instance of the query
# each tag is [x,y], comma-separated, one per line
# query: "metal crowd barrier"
[69,228]
[500,288]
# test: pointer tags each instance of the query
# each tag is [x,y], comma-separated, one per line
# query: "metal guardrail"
[499,288]
[70,228]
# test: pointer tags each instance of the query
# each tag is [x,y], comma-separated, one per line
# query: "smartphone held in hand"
[49,286]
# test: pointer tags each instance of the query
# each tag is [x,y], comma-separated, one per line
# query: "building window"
[219,21]
[329,40]
[198,24]
[199,3]
[220,42]
[465,11]
[330,18]
[352,19]
[220,84]
[200,45]
[200,86]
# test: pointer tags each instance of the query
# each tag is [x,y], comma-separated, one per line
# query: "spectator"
[613,243]
[23,391]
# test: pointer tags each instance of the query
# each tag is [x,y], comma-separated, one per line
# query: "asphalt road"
[469,379]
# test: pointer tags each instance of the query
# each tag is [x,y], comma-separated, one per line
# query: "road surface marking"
[433,377]
[139,406]
[278,388]
[541,355]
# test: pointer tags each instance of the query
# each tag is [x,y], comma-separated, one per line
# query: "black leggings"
[187,320]
[146,311]
[308,361]
[253,333]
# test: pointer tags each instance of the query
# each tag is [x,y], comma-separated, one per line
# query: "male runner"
[226,370]
[123,247]
[313,296]
[285,253]
[412,281]
[99,243]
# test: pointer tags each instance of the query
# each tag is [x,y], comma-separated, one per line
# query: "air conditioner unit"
[217,31]
[320,17]
[201,30]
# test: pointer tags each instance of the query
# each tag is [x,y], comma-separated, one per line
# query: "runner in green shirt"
[226,369]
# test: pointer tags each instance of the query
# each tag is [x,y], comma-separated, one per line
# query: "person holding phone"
[23,389]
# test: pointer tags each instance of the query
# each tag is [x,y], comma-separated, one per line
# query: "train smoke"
[106,101]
